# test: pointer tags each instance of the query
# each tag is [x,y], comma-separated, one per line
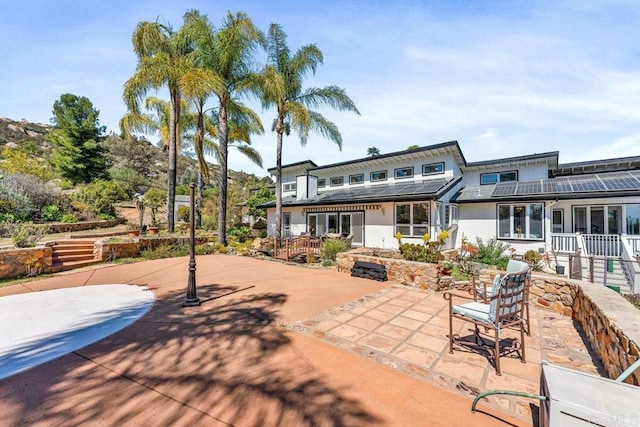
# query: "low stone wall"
[86,225]
[610,322]
[109,250]
[25,262]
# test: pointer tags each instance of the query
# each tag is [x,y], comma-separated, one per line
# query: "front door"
[352,223]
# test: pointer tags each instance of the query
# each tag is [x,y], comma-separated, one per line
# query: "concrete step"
[73,251]
[72,257]
[70,265]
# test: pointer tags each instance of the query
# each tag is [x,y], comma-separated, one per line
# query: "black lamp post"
[192,299]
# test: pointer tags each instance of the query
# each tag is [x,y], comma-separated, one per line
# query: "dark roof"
[449,144]
[610,184]
[603,165]
[552,155]
[423,190]
[292,165]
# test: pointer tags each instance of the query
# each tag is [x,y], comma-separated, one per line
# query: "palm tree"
[163,58]
[225,58]
[373,151]
[281,82]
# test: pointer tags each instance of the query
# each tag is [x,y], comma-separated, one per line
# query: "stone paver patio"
[407,329]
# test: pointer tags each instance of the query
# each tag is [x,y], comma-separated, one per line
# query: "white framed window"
[402,173]
[557,221]
[495,177]
[412,218]
[337,181]
[356,179]
[291,186]
[433,169]
[633,219]
[450,215]
[322,182]
[521,221]
[378,176]
[286,224]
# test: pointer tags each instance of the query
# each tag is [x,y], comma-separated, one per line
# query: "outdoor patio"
[275,344]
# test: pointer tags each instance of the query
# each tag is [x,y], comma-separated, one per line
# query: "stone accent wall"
[610,323]
[107,250]
[86,225]
[25,262]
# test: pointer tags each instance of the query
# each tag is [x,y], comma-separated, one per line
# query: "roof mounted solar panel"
[532,187]
[507,189]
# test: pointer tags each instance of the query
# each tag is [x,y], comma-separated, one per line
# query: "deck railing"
[287,247]
[603,244]
[564,243]
[634,243]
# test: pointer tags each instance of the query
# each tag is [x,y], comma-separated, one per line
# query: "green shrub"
[532,257]
[68,218]
[260,224]
[327,263]
[427,252]
[492,252]
[332,247]
[209,222]
[242,233]
[101,196]
[183,213]
[51,213]
[27,235]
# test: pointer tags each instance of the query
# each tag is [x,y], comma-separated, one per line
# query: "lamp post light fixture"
[192,299]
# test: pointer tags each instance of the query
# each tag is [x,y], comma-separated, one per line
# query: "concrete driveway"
[231,361]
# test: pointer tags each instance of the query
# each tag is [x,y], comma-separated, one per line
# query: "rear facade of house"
[586,214]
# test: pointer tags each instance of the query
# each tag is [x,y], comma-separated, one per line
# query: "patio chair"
[484,291]
[505,309]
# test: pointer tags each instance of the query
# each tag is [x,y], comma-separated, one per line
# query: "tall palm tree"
[281,82]
[164,57]
[226,57]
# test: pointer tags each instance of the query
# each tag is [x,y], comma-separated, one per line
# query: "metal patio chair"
[504,309]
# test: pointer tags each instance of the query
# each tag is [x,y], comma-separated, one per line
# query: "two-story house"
[528,202]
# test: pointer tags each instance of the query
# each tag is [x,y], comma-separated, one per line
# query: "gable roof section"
[301,166]
[450,147]
[609,184]
[423,190]
[593,166]
[510,162]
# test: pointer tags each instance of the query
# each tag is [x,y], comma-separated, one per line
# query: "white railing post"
[630,264]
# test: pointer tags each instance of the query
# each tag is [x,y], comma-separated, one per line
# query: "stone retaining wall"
[25,262]
[85,225]
[109,250]
[610,322]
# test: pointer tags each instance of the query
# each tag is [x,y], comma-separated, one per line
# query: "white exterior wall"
[525,173]
[480,220]
[450,170]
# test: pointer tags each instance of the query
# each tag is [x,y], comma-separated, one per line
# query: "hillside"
[15,134]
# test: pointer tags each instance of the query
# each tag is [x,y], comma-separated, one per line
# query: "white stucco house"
[528,202]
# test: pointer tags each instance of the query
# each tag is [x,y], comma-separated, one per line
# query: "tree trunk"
[174,128]
[279,135]
[222,199]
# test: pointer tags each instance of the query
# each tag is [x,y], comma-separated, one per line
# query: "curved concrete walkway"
[231,361]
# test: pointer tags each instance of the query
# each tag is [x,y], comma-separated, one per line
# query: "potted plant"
[134,229]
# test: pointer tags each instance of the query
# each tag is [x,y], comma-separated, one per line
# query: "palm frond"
[332,96]
[326,128]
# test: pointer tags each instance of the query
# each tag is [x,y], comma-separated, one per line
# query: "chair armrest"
[456,293]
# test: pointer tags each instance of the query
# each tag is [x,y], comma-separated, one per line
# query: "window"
[433,169]
[600,219]
[337,181]
[557,223]
[322,183]
[450,215]
[378,176]
[633,219]
[520,221]
[356,179]
[289,187]
[412,219]
[401,173]
[494,177]
[286,224]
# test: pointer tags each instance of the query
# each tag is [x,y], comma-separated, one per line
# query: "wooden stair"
[70,254]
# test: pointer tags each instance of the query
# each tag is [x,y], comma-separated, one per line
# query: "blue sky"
[504,78]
